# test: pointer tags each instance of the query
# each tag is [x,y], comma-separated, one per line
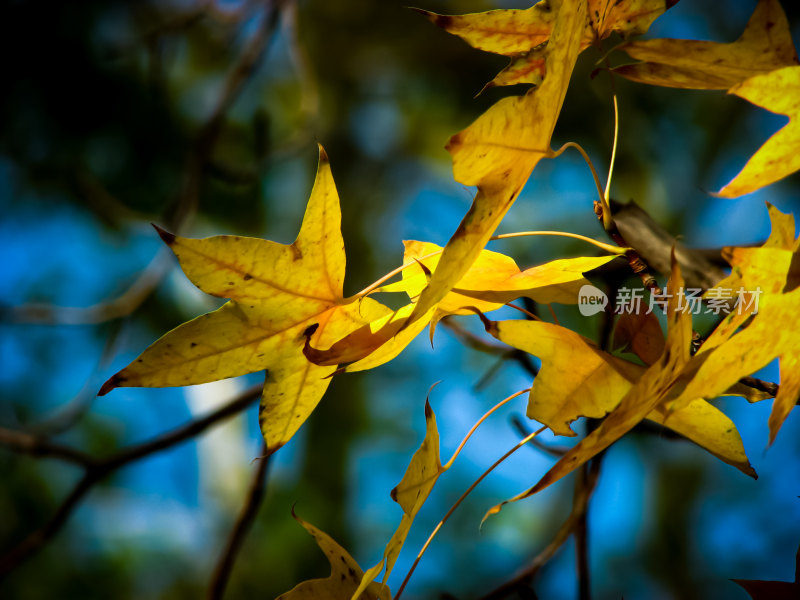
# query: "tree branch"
[96,470]
[579,506]
[222,571]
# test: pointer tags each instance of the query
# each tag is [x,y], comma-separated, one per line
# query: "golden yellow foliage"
[277,294]
[765,45]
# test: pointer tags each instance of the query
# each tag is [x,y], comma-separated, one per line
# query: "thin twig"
[456,504]
[504,352]
[523,578]
[34,445]
[120,306]
[255,495]
[554,451]
[581,532]
[98,469]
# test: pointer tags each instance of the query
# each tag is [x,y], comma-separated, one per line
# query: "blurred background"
[203,117]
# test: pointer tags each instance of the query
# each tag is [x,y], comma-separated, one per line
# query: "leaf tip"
[428,410]
[453,142]
[442,21]
[169,238]
[113,382]
[492,511]
[323,156]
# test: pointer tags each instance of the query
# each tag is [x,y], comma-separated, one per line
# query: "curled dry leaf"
[411,493]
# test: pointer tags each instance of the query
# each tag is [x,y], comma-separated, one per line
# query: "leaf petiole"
[458,502]
[375,285]
[602,245]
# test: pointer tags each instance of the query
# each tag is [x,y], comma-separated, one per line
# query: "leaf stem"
[600,193]
[458,502]
[602,245]
[477,424]
[375,285]
[613,149]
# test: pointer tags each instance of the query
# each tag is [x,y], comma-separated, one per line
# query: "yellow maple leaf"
[643,397]
[577,379]
[492,280]
[411,493]
[778,92]
[344,579]
[769,276]
[499,151]
[521,33]
[495,279]
[277,294]
[765,45]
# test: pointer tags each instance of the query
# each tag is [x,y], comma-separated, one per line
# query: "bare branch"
[33,445]
[222,571]
[98,469]
[579,506]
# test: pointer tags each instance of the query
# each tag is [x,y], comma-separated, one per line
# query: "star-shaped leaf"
[277,294]
[577,379]
[645,396]
[765,45]
[499,151]
[495,279]
[778,92]
[345,576]
[521,34]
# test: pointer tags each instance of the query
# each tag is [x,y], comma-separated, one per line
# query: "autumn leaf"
[494,279]
[277,293]
[642,398]
[769,279]
[499,151]
[773,590]
[577,379]
[640,332]
[521,34]
[765,45]
[372,344]
[411,493]
[778,92]
[345,576]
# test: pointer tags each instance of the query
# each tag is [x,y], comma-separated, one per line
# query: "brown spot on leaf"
[309,331]
[247,277]
[297,254]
